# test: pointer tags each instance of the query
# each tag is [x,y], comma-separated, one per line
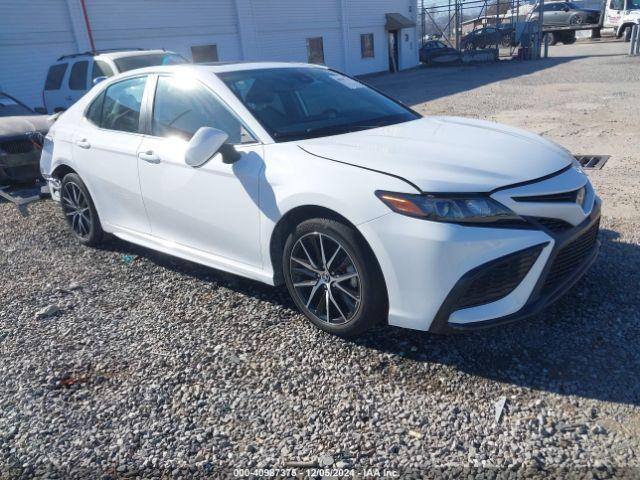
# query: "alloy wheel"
[325,278]
[76,209]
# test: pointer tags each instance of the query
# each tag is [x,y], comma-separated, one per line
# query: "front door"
[213,208]
[105,147]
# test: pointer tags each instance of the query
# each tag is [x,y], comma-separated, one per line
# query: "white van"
[73,75]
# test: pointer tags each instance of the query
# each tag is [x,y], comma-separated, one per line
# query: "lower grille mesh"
[14,147]
[569,259]
[498,278]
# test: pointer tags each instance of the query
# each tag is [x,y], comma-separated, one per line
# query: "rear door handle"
[149,156]
[83,143]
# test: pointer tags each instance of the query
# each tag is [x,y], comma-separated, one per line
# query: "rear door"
[105,152]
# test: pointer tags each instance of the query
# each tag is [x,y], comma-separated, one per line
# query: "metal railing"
[634,46]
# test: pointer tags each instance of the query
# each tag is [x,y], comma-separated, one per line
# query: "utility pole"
[449,34]
[540,26]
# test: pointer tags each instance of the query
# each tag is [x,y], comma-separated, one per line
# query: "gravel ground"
[157,367]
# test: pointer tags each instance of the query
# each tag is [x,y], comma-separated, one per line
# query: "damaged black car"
[22,131]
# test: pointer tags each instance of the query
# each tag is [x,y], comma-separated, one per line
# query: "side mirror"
[566,9]
[97,80]
[40,110]
[203,145]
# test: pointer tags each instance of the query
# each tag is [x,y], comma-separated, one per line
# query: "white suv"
[73,75]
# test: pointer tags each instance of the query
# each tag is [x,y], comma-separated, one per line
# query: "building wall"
[241,29]
[28,46]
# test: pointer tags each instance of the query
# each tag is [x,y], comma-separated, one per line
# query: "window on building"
[180,112]
[122,104]
[55,76]
[78,76]
[204,53]
[315,50]
[366,45]
[101,69]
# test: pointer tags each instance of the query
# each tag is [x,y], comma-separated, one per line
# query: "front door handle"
[83,144]
[149,156]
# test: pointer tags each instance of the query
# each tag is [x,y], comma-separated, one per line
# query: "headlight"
[472,209]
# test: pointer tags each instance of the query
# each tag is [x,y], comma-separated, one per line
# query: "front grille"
[498,278]
[21,173]
[555,225]
[14,147]
[570,258]
[570,197]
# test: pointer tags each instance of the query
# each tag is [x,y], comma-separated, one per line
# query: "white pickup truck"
[621,15]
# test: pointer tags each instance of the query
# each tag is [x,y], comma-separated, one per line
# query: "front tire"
[334,278]
[79,211]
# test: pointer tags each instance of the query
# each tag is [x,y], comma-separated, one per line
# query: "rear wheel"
[551,38]
[79,210]
[333,277]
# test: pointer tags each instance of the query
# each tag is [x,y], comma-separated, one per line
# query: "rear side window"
[94,112]
[101,69]
[78,76]
[121,105]
[55,76]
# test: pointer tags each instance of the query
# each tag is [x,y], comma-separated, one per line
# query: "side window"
[121,105]
[78,76]
[55,76]
[101,69]
[94,112]
[315,50]
[179,110]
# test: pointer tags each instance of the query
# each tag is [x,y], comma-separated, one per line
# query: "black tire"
[367,283]
[576,19]
[567,37]
[553,39]
[79,211]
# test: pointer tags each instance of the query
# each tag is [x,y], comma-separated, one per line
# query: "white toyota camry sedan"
[297,174]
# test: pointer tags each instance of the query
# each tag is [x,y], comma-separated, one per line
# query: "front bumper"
[573,252]
[428,266]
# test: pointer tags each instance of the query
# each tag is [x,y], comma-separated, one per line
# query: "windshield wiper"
[332,130]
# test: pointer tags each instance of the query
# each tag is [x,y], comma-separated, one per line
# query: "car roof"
[225,67]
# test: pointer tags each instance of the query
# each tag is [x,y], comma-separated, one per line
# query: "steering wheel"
[330,113]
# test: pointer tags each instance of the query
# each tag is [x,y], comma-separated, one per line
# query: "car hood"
[14,126]
[446,154]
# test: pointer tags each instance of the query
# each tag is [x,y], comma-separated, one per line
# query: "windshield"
[125,64]
[300,103]
[10,107]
